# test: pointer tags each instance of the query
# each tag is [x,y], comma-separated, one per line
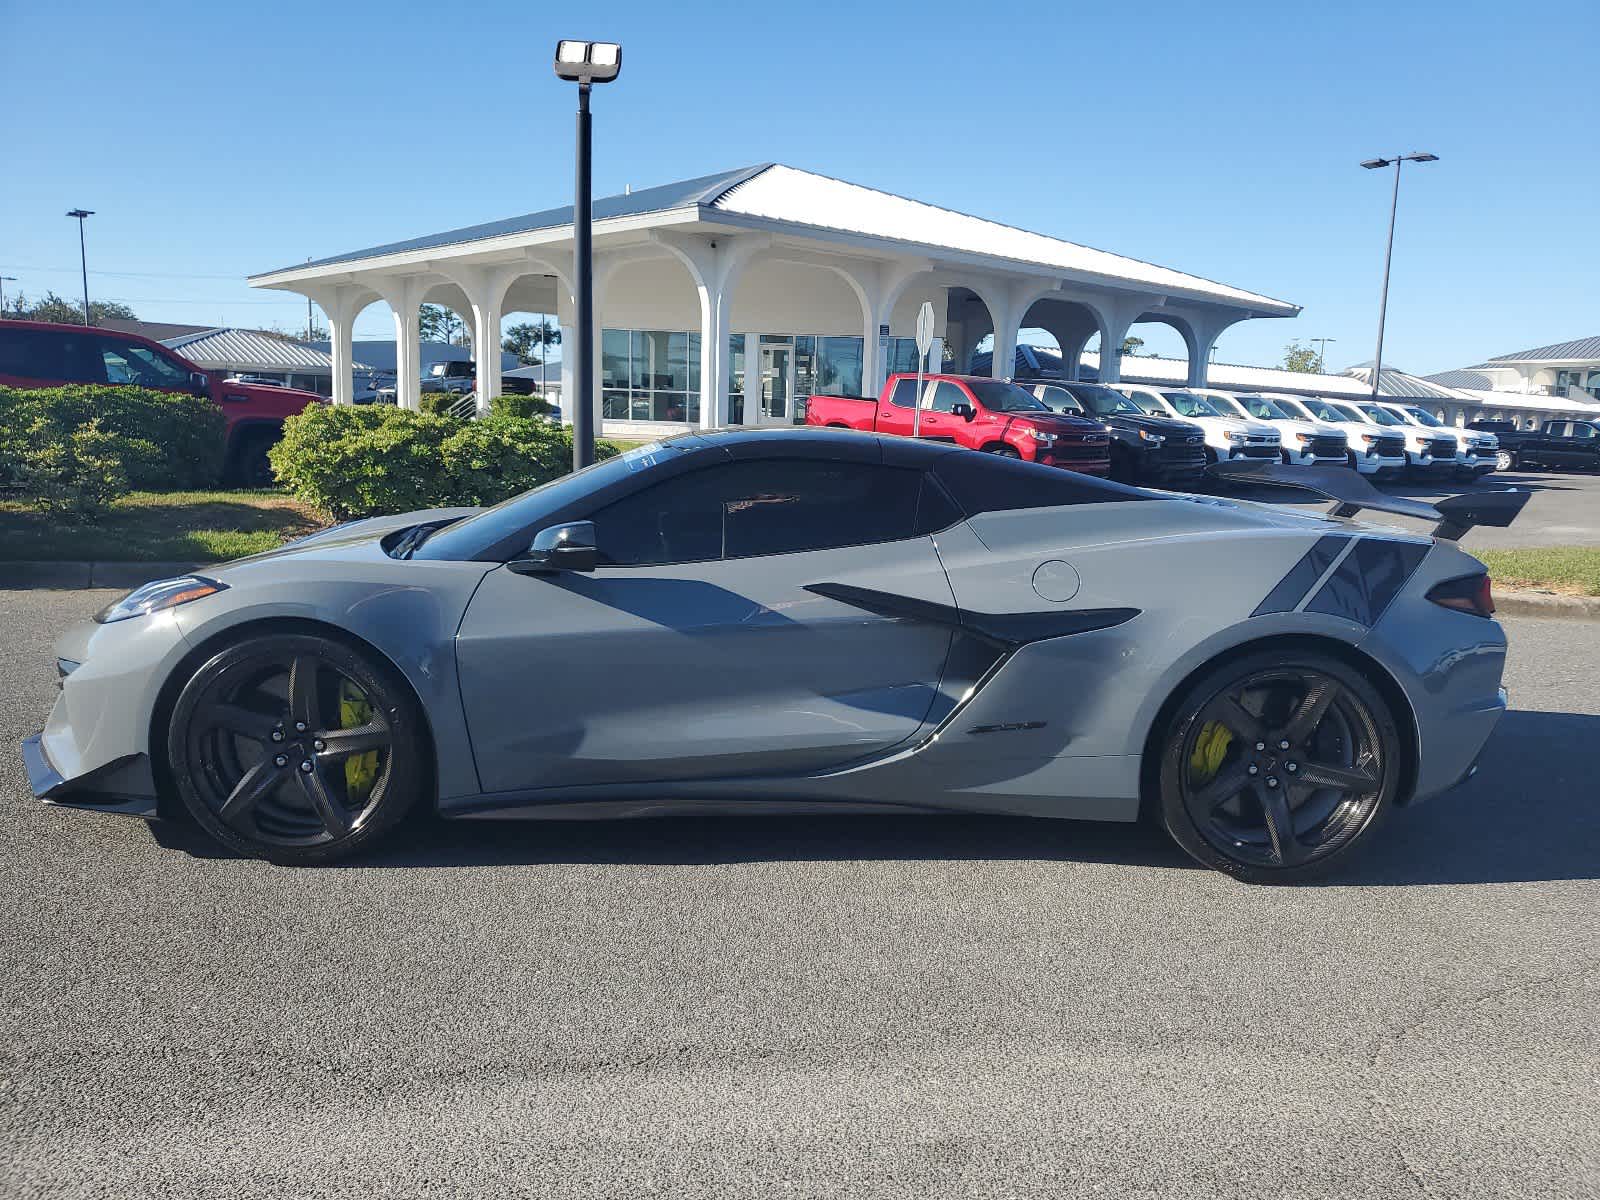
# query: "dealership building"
[729,298]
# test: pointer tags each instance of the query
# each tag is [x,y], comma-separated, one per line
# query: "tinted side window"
[904,394]
[1060,399]
[131,363]
[946,396]
[758,507]
[47,354]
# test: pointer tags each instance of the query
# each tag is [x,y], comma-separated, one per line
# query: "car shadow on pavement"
[1532,813]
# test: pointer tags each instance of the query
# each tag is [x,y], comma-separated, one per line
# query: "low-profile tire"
[1307,764]
[296,748]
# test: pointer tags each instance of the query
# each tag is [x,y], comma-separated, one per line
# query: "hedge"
[72,450]
[362,460]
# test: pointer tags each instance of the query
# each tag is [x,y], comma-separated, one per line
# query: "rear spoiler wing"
[1453,516]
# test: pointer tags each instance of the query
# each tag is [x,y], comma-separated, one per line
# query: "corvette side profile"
[805,620]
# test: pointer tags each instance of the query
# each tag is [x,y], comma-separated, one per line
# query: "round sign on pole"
[924,328]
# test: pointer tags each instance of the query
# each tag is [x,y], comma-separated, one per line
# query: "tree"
[530,340]
[1301,358]
[436,323]
[1132,345]
[65,312]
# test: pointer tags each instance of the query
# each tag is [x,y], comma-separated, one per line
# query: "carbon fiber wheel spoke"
[1358,781]
[1312,708]
[1280,825]
[1243,723]
[340,744]
[246,722]
[329,811]
[1228,784]
[305,707]
[259,782]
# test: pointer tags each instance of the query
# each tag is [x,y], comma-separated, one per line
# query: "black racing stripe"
[1001,629]
[1293,586]
[1368,580]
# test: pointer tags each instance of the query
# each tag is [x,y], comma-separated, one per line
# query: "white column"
[404,296]
[1003,364]
[341,338]
[752,379]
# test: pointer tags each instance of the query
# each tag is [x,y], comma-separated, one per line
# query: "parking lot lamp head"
[588,62]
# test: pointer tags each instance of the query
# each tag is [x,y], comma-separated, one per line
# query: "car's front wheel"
[1504,460]
[296,748]
[1275,765]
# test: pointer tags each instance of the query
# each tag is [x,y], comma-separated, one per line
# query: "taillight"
[1469,593]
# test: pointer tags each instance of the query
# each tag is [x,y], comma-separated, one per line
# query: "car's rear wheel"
[296,748]
[1275,766]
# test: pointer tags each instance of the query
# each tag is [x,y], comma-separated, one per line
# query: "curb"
[1547,604]
[78,575]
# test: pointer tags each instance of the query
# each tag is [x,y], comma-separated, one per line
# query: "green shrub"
[360,460]
[76,474]
[439,403]
[170,441]
[514,405]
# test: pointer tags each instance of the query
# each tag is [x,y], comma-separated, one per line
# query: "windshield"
[1147,404]
[1321,410]
[1229,406]
[1005,397]
[1103,402]
[1266,410]
[1190,405]
[1424,417]
[1380,416]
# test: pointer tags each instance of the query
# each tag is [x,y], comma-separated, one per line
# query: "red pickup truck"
[977,412]
[37,354]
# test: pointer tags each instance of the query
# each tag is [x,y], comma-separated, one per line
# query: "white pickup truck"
[1305,443]
[1226,437]
[1373,449]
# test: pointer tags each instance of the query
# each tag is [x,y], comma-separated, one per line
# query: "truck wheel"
[1505,460]
[248,466]
[1003,450]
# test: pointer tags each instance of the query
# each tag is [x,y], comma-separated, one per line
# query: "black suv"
[1159,451]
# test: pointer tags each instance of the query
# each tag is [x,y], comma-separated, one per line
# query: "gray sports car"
[783,620]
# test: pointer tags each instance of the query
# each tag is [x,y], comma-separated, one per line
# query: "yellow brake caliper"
[360,770]
[1209,750]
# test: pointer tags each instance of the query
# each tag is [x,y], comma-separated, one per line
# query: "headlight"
[1303,438]
[1155,439]
[1368,438]
[162,594]
[1049,439]
[1234,437]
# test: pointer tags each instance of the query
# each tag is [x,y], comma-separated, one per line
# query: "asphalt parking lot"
[1563,510]
[907,1007]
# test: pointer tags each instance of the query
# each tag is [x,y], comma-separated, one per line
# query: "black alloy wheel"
[1005,451]
[295,748]
[1275,765]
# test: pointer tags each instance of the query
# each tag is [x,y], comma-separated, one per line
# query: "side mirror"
[964,410]
[568,547]
[200,382]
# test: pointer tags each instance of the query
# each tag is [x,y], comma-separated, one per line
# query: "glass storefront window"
[839,365]
[902,355]
[613,358]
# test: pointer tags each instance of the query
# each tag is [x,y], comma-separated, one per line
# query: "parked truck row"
[1162,437]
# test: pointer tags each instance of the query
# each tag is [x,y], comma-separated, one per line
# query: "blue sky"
[1222,139]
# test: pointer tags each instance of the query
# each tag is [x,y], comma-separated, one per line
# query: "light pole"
[1322,352]
[584,63]
[83,257]
[1373,164]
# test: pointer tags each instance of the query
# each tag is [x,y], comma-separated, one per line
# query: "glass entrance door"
[777,383]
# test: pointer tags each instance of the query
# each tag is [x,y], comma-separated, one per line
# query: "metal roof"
[1237,377]
[1582,350]
[239,348]
[784,195]
[1464,379]
[1515,400]
[1402,386]
[683,194]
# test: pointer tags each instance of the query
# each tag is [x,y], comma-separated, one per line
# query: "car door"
[939,399]
[897,413]
[695,650]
